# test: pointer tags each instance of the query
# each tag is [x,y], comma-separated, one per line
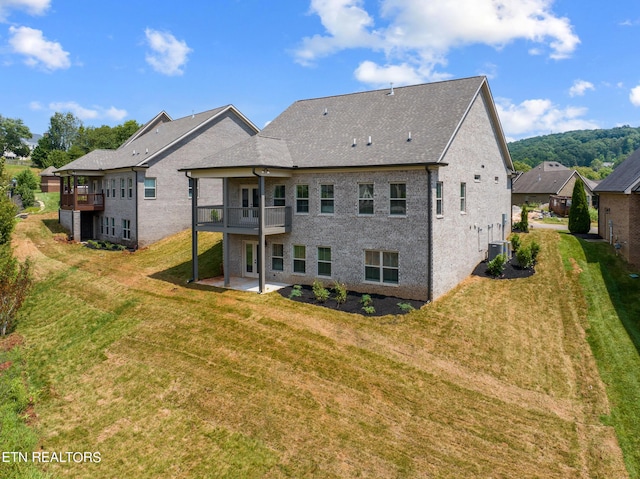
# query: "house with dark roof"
[49,182]
[619,208]
[396,192]
[550,182]
[135,195]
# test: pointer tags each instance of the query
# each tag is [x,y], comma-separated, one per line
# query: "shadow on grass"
[209,265]
[624,291]
[54,226]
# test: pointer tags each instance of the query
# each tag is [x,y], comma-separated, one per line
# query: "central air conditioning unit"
[499,247]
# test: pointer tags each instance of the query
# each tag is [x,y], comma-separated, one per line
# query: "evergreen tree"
[579,219]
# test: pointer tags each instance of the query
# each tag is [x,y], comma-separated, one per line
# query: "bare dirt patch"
[11,341]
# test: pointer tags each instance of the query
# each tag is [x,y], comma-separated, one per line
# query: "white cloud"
[94,113]
[634,96]
[35,106]
[540,117]
[419,33]
[169,55]
[373,74]
[39,51]
[580,87]
[32,7]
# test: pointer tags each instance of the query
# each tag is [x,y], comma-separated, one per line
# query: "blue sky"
[553,66]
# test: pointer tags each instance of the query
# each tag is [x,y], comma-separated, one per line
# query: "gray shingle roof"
[320,132]
[142,147]
[625,178]
[546,178]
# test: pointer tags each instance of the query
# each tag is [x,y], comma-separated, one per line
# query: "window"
[463,197]
[130,187]
[299,259]
[277,257]
[439,208]
[302,198]
[113,226]
[326,199]
[365,198]
[324,261]
[122,188]
[381,266]
[126,229]
[101,219]
[149,188]
[398,199]
[113,188]
[105,185]
[278,196]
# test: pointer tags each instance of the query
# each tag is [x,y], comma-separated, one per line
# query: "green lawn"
[169,379]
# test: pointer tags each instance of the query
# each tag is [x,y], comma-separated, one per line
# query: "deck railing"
[274,216]
[82,201]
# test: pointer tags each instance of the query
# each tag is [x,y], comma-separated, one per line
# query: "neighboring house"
[549,182]
[619,208]
[49,182]
[135,195]
[397,192]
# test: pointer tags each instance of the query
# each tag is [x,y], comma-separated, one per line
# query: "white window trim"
[308,199]
[332,199]
[318,261]
[155,189]
[294,259]
[404,215]
[381,268]
[373,198]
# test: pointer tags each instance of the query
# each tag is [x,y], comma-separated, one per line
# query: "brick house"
[135,195]
[550,182]
[397,192]
[619,208]
[49,182]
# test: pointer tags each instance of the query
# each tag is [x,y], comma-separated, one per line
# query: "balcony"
[277,219]
[79,201]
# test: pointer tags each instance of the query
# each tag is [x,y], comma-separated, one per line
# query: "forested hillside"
[578,148]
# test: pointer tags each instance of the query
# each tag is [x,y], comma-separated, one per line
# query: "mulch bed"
[511,270]
[383,305]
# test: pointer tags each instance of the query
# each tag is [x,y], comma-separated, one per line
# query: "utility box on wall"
[499,247]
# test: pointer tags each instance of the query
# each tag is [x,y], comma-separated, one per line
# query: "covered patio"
[239,283]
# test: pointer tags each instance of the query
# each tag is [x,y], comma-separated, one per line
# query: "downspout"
[136,206]
[261,240]
[429,235]
[194,232]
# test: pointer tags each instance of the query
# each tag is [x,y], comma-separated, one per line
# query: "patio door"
[250,203]
[250,268]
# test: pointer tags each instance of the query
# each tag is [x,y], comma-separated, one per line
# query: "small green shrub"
[406,307]
[515,242]
[535,249]
[296,291]
[524,257]
[340,291]
[369,309]
[319,291]
[524,219]
[366,300]
[495,267]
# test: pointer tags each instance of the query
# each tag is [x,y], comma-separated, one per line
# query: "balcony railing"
[243,218]
[82,201]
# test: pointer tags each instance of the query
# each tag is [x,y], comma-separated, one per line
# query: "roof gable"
[625,178]
[542,180]
[405,125]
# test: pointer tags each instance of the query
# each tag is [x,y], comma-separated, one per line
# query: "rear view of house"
[396,191]
[135,195]
[619,208]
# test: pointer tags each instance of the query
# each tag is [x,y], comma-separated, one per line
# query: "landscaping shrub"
[515,242]
[535,249]
[579,218]
[319,291]
[524,219]
[340,291]
[495,267]
[524,257]
[296,291]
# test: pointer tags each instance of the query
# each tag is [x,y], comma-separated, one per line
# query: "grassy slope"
[495,379]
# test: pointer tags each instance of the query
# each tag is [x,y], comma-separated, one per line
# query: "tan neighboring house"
[397,191]
[49,182]
[619,208]
[550,182]
[135,195]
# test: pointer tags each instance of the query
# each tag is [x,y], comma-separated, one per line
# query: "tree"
[12,132]
[27,179]
[63,130]
[15,281]
[57,158]
[579,219]
[7,219]
[524,219]
[521,166]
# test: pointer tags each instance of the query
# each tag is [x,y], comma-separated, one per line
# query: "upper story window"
[365,198]
[130,187]
[105,186]
[150,188]
[326,199]
[439,205]
[113,188]
[463,197]
[122,188]
[279,195]
[398,199]
[302,198]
